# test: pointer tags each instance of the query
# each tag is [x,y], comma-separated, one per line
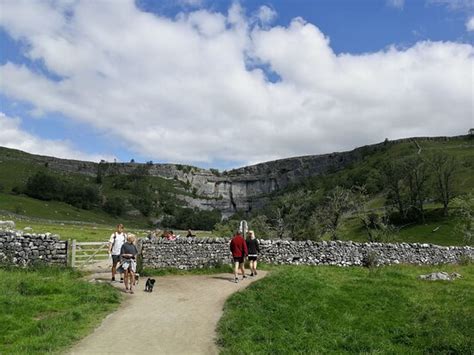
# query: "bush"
[44,186]
[188,218]
[114,206]
[465,260]
[17,190]
[371,260]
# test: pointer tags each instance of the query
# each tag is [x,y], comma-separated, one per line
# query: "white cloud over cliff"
[192,88]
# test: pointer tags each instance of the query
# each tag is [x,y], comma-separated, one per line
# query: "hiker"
[115,244]
[254,250]
[128,263]
[169,235]
[238,247]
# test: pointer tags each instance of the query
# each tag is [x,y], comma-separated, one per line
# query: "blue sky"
[224,84]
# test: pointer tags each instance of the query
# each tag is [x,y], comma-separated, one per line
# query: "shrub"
[371,260]
[44,186]
[465,260]
[114,206]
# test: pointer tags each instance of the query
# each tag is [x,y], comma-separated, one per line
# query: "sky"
[224,84]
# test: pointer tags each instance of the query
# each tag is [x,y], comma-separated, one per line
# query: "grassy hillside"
[296,211]
[158,195]
[367,170]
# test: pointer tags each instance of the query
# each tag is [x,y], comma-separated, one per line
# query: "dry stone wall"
[189,253]
[23,249]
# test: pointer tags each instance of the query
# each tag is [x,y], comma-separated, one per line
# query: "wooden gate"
[84,253]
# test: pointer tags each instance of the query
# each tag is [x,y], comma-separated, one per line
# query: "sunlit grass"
[47,309]
[309,310]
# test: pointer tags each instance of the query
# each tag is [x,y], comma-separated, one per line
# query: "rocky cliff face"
[245,188]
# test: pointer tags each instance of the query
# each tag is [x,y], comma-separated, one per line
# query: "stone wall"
[188,253]
[25,249]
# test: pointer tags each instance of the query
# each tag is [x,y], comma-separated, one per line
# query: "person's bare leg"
[236,268]
[255,267]
[126,279]
[114,269]
[242,269]
[132,280]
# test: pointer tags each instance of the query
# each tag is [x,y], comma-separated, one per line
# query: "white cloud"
[181,89]
[398,4]
[12,136]
[266,14]
[470,24]
[455,5]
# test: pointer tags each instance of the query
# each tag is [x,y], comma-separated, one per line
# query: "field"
[302,310]
[47,309]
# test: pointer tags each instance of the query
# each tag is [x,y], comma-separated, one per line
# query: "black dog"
[150,283]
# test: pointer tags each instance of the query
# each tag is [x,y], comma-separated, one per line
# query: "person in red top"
[239,250]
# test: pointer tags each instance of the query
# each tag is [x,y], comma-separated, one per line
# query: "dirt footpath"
[179,317]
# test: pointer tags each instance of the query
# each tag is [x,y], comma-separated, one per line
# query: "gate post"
[243,228]
[73,253]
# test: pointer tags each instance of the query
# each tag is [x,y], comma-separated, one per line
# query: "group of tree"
[46,186]
[415,180]
[192,218]
[318,208]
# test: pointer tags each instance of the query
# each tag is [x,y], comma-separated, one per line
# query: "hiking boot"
[255,272]
[244,277]
[236,280]
[121,280]
[251,275]
[113,279]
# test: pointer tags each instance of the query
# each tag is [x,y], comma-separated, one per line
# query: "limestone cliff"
[245,188]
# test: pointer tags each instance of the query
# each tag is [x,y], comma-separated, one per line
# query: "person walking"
[254,250]
[115,245]
[238,247]
[128,264]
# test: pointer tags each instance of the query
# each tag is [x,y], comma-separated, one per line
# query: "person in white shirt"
[115,245]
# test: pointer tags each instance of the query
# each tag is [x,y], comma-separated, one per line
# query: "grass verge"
[45,310]
[299,310]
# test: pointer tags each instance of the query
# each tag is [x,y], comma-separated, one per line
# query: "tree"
[416,176]
[444,167]
[377,226]
[45,186]
[115,206]
[393,177]
[464,207]
[337,202]
[261,227]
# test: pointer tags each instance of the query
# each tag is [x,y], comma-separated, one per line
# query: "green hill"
[58,190]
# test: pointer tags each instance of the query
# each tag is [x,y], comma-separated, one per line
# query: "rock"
[440,276]
[6,225]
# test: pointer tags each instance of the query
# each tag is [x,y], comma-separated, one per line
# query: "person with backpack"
[254,250]
[238,247]
[115,245]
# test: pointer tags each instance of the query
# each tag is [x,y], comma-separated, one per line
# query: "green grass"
[310,310]
[84,232]
[54,210]
[436,230]
[45,310]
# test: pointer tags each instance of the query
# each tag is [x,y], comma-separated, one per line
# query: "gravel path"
[179,317]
